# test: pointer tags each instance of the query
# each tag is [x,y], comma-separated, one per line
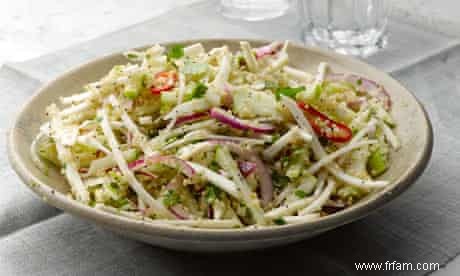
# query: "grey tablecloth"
[423,225]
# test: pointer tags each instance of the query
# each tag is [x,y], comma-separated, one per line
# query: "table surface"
[32,28]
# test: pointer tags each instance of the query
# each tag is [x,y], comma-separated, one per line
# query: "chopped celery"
[380,112]
[311,94]
[194,69]
[350,194]
[270,85]
[168,101]
[294,170]
[249,103]
[337,87]
[47,151]
[211,193]
[295,162]
[132,155]
[171,198]
[377,162]
[131,94]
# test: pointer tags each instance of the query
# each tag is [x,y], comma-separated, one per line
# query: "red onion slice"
[191,118]
[228,88]
[226,118]
[246,167]
[83,170]
[364,85]
[267,50]
[179,211]
[210,212]
[129,138]
[163,159]
[262,173]
[136,164]
[146,173]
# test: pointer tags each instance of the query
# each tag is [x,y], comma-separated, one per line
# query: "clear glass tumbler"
[354,27]
[253,10]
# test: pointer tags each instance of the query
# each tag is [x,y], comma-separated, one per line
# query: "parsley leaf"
[288,91]
[214,166]
[300,193]
[279,181]
[175,52]
[279,221]
[211,193]
[198,91]
[171,198]
[118,203]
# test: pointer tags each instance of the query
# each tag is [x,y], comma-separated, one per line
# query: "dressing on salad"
[219,139]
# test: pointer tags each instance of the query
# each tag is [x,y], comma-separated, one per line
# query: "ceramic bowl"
[414,130]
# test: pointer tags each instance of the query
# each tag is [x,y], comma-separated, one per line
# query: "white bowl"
[414,130]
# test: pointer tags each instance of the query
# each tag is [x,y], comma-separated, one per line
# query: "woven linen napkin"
[422,225]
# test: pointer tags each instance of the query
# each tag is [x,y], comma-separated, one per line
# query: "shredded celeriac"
[185,137]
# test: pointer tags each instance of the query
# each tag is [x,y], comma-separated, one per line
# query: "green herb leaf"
[300,193]
[275,137]
[279,221]
[119,202]
[359,81]
[114,186]
[214,166]
[175,52]
[132,56]
[198,91]
[171,198]
[288,91]
[350,194]
[279,181]
[211,193]
[171,139]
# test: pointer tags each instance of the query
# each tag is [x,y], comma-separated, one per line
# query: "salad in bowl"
[218,139]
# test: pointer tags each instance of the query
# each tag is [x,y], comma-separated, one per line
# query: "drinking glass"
[355,27]
[253,10]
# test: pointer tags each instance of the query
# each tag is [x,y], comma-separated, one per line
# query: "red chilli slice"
[164,81]
[326,127]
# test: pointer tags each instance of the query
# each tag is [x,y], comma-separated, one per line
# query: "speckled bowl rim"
[348,215]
